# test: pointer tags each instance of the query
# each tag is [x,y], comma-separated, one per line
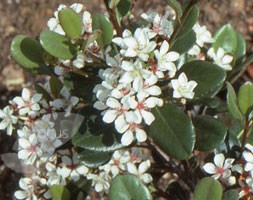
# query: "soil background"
[29,17]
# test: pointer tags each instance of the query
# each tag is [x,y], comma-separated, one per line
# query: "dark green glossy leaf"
[245,97]
[184,43]
[230,195]
[100,22]
[173,131]
[241,47]
[226,38]
[128,186]
[210,132]
[41,90]
[123,7]
[232,103]
[27,52]
[210,78]
[59,192]
[57,45]
[208,189]
[55,86]
[190,20]
[94,159]
[70,22]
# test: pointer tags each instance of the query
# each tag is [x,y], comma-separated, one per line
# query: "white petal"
[113,103]
[144,166]
[127,138]
[147,116]
[210,168]
[23,154]
[219,160]
[26,94]
[131,168]
[141,135]
[21,194]
[110,116]
[164,47]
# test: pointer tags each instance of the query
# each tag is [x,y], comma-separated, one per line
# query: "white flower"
[100,182]
[28,104]
[29,149]
[28,187]
[220,168]
[221,58]
[67,102]
[72,169]
[141,171]
[248,156]
[118,162]
[7,119]
[87,22]
[137,45]
[160,24]
[202,35]
[183,88]
[165,59]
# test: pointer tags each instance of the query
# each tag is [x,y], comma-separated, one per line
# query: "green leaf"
[190,20]
[232,103]
[71,22]
[241,47]
[41,90]
[57,45]
[55,86]
[208,189]
[210,78]
[245,97]
[184,43]
[230,195]
[100,22]
[226,38]
[173,131]
[210,132]
[95,135]
[123,7]
[176,7]
[59,192]
[94,159]
[128,186]
[27,52]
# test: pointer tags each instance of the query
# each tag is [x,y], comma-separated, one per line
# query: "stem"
[245,133]
[113,19]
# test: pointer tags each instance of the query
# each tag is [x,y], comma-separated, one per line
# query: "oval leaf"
[232,103]
[230,195]
[100,22]
[173,131]
[210,132]
[94,159]
[184,43]
[59,192]
[128,186]
[210,77]
[27,52]
[57,45]
[245,97]
[71,22]
[226,38]
[208,189]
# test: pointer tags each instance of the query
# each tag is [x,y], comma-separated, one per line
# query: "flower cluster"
[237,173]
[131,86]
